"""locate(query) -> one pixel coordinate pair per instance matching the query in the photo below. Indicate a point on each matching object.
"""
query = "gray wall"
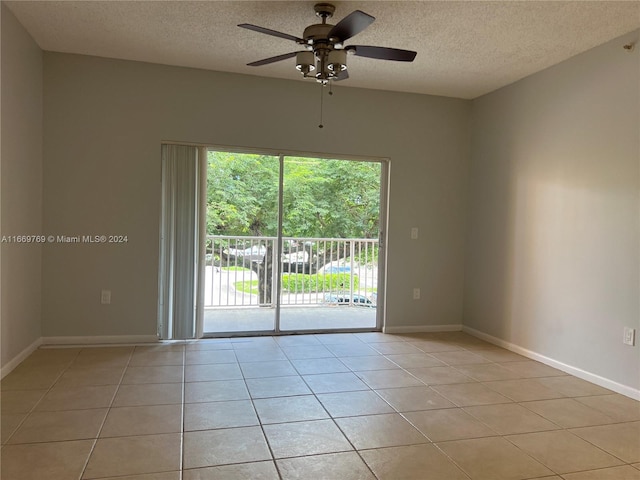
(21, 186)
(554, 210)
(105, 120)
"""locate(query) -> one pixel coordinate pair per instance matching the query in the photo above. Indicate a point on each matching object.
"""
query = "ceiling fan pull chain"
(321, 102)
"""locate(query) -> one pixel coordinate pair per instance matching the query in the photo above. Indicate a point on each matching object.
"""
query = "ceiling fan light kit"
(324, 56)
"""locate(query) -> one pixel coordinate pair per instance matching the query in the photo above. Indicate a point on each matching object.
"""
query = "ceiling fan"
(325, 56)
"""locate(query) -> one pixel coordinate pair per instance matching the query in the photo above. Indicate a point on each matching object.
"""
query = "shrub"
(305, 283)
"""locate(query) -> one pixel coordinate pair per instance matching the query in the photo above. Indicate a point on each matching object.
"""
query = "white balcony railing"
(241, 271)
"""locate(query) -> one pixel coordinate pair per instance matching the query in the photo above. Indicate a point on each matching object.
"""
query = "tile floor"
(441, 406)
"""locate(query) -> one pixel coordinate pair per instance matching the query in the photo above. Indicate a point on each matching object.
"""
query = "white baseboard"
(15, 361)
(423, 329)
(101, 340)
(577, 372)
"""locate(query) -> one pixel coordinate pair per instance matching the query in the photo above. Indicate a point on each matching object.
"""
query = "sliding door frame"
(385, 167)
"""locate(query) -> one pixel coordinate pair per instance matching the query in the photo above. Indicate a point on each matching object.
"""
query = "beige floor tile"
(487, 372)
(376, 431)
(313, 366)
(510, 419)
(78, 376)
(278, 368)
(209, 344)
(460, 357)
(351, 404)
(207, 416)
(563, 452)
(9, 423)
(296, 340)
(277, 387)
(523, 390)
(369, 362)
(334, 382)
(289, 409)
(103, 357)
(621, 440)
(260, 354)
(59, 426)
(208, 357)
(464, 339)
(618, 407)
(343, 466)
(215, 391)
(625, 472)
(19, 401)
(410, 399)
(74, 398)
(378, 337)
(59, 460)
(142, 420)
(210, 373)
(305, 438)
(395, 348)
(414, 462)
(572, 386)
(499, 355)
(299, 352)
(389, 379)
(469, 394)
(243, 343)
(156, 358)
(46, 357)
(337, 338)
(351, 349)
(568, 413)
(148, 394)
(432, 346)
(241, 471)
(532, 369)
(448, 424)
(208, 448)
(135, 455)
(493, 458)
(439, 375)
(163, 374)
(31, 378)
(415, 360)
(148, 476)
(160, 347)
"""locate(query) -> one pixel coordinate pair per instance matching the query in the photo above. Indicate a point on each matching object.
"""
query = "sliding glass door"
(292, 244)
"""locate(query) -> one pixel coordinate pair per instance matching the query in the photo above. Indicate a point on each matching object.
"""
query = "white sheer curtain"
(179, 241)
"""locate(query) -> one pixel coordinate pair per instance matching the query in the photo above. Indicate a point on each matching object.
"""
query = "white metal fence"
(240, 271)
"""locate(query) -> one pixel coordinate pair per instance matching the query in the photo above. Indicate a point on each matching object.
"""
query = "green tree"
(321, 199)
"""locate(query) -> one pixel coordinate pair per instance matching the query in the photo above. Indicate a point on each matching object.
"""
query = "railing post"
(352, 252)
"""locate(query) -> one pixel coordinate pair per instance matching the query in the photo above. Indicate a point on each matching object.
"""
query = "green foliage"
(321, 198)
(303, 283)
(247, 286)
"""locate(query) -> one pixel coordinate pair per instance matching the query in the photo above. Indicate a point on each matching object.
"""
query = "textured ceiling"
(465, 49)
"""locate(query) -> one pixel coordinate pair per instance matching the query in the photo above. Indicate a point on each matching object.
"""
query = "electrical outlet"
(105, 297)
(416, 294)
(414, 233)
(629, 336)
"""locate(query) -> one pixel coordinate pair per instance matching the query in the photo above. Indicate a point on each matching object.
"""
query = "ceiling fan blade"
(383, 53)
(268, 31)
(351, 25)
(269, 60)
(343, 75)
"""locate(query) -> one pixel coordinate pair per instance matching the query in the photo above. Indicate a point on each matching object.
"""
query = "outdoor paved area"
(257, 319)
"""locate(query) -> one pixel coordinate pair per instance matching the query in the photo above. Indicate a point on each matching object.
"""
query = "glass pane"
(330, 226)
(242, 227)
